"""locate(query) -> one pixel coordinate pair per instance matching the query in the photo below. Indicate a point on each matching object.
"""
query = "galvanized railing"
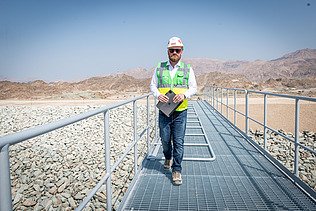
(216, 100)
(8, 140)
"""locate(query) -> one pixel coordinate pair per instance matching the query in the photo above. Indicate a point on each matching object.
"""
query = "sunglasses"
(175, 50)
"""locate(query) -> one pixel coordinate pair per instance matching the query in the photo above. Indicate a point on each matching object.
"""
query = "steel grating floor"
(240, 178)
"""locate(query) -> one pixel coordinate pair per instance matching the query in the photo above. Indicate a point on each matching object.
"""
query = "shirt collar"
(177, 65)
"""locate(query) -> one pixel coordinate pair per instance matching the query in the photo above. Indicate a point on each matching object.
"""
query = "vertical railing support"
(221, 100)
(297, 127)
(265, 122)
(246, 113)
(147, 137)
(235, 112)
(217, 98)
(5, 180)
(213, 96)
(156, 121)
(135, 136)
(107, 160)
(209, 95)
(227, 92)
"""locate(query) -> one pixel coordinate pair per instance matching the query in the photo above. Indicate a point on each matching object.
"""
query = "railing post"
(265, 122)
(5, 180)
(135, 136)
(297, 134)
(209, 95)
(227, 92)
(221, 100)
(246, 113)
(107, 160)
(147, 137)
(217, 98)
(156, 121)
(213, 97)
(235, 107)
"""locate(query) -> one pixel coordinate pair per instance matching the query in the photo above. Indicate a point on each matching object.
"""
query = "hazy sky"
(71, 40)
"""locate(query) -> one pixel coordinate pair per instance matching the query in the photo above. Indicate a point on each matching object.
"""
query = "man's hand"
(163, 98)
(178, 98)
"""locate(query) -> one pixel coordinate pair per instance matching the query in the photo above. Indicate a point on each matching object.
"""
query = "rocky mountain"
(298, 64)
(223, 80)
(139, 73)
(92, 88)
(292, 73)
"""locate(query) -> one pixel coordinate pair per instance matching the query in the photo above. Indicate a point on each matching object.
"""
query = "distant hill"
(299, 64)
(92, 88)
(139, 73)
(292, 73)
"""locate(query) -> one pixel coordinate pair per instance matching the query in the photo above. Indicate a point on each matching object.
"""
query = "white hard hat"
(175, 42)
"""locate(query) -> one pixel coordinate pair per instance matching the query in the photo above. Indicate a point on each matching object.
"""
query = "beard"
(174, 57)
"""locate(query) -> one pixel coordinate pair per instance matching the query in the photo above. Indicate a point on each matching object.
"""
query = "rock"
(25, 179)
(56, 201)
(17, 198)
(53, 190)
(101, 197)
(39, 182)
(49, 185)
(38, 207)
(66, 195)
(60, 182)
(72, 202)
(15, 166)
(62, 187)
(303, 177)
(37, 187)
(79, 196)
(37, 173)
(47, 204)
(29, 202)
(22, 188)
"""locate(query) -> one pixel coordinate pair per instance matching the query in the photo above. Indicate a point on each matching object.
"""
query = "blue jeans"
(172, 132)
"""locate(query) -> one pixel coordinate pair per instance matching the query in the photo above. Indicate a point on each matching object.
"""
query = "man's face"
(175, 54)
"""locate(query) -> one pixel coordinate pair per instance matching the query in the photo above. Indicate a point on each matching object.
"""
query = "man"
(179, 77)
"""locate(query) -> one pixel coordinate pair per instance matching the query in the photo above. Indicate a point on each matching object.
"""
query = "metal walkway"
(240, 178)
(197, 147)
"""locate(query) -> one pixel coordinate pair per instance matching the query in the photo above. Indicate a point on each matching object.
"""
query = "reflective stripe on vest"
(179, 84)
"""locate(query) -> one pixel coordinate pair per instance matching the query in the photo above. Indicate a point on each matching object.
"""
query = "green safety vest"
(179, 84)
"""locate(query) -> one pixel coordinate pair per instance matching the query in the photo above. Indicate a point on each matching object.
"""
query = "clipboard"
(169, 107)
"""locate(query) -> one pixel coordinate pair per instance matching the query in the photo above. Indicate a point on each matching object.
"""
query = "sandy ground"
(280, 111)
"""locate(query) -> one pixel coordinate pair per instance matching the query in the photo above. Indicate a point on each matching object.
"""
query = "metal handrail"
(215, 101)
(8, 140)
